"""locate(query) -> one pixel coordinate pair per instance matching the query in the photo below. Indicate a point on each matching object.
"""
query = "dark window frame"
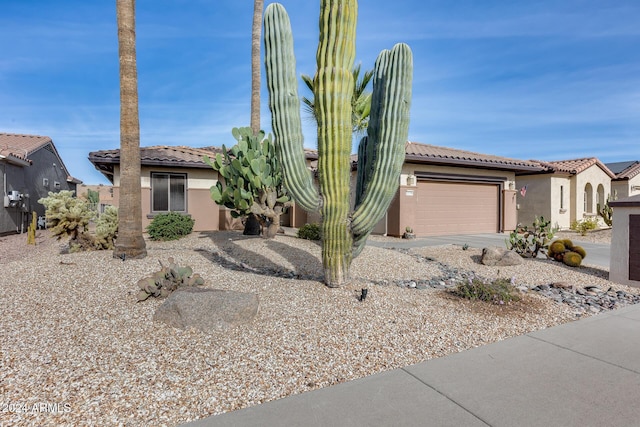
(168, 176)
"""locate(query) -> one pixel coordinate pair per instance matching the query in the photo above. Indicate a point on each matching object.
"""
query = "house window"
(588, 198)
(562, 197)
(168, 192)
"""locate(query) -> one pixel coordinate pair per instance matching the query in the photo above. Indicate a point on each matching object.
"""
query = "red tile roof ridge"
(455, 153)
(575, 166)
(630, 172)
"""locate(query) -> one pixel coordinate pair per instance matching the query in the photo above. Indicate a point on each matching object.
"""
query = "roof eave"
(17, 161)
(471, 163)
(148, 162)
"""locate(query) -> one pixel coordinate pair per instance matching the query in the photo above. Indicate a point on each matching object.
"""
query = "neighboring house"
(105, 195)
(30, 167)
(173, 179)
(627, 180)
(565, 191)
(448, 191)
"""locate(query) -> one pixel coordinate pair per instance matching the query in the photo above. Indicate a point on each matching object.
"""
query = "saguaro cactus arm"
(285, 107)
(389, 128)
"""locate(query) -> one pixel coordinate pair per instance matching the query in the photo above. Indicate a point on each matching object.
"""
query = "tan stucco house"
(442, 190)
(627, 180)
(565, 191)
(448, 191)
(173, 179)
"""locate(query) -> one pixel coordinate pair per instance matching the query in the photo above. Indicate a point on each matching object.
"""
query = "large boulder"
(208, 310)
(495, 256)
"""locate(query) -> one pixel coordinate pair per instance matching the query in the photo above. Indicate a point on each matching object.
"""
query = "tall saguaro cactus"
(381, 153)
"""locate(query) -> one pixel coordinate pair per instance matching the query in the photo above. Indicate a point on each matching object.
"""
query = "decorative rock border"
(590, 299)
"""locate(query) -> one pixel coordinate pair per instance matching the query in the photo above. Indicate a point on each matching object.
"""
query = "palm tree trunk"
(129, 243)
(255, 65)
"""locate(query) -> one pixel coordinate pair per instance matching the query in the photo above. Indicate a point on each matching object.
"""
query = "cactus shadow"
(584, 269)
(476, 259)
(232, 256)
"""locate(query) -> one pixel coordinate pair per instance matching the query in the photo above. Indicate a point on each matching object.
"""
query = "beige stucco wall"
(626, 188)
(560, 213)
(621, 188)
(596, 177)
(543, 196)
(619, 262)
(411, 168)
(536, 201)
(402, 210)
(199, 203)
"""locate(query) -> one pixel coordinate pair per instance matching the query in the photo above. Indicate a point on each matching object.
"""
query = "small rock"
(495, 256)
(561, 285)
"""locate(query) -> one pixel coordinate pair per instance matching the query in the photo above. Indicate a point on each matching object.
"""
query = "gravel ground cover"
(78, 350)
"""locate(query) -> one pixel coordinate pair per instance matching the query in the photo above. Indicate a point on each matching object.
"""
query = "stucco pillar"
(509, 210)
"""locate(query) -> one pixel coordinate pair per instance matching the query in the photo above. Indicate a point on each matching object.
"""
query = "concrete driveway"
(598, 254)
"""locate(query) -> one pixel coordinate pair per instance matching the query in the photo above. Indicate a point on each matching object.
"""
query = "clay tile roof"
(575, 166)
(21, 146)
(160, 155)
(625, 170)
(427, 153)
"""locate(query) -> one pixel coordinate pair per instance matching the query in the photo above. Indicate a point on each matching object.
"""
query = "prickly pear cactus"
(381, 153)
(170, 277)
(253, 179)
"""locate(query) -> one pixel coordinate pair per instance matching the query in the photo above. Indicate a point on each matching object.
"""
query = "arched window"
(588, 198)
(600, 200)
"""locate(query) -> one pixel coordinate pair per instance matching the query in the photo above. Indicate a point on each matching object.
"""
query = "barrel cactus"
(580, 250)
(572, 259)
(568, 253)
(381, 152)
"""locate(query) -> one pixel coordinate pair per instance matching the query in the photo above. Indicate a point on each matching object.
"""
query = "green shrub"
(170, 226)
(584, 226)
(309, 232)
(528, 242)
(498, 291)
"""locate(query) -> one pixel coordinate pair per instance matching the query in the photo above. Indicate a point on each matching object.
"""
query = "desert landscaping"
(74, 334)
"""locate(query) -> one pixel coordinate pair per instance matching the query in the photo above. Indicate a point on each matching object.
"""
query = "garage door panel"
(456, 208)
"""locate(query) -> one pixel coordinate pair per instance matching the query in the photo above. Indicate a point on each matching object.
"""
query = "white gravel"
(79, 349)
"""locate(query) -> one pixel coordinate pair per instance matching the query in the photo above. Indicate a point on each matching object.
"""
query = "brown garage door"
(456, 208)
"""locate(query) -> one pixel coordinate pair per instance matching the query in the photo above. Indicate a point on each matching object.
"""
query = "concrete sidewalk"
(583, 373)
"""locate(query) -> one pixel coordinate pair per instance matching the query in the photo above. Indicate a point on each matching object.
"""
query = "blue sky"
(544, 80)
